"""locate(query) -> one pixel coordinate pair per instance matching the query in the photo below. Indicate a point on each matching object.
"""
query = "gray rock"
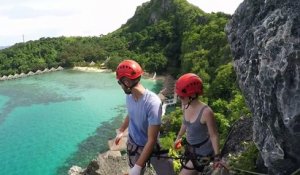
(108, 163)
(75, 170)
(240, 132)
(264, 36)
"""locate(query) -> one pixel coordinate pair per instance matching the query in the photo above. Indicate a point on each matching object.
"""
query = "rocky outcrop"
(240, 132)
(264, 36)
(110, 162)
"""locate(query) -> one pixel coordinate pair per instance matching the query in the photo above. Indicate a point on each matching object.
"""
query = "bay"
(52, 121)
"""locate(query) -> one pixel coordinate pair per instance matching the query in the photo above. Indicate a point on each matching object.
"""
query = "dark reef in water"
(93, 145)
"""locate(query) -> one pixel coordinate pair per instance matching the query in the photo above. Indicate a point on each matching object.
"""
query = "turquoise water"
(52, 121)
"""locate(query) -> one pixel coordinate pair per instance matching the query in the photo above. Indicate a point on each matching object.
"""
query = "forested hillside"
(167, 37)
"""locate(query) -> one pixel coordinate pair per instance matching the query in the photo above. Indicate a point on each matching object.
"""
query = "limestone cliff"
(264, 36)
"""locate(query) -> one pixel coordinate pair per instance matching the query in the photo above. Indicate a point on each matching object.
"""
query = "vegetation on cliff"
(167, 37)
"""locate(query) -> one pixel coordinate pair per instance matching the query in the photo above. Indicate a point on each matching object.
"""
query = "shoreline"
(113, 156)
(96, 69)
(90, 69)
(30, 73)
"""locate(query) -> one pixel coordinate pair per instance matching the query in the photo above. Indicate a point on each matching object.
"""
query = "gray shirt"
(196, 133)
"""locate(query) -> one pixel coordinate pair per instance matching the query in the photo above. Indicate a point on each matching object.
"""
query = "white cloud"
(52, 18)
(226, 6)
(24, 12)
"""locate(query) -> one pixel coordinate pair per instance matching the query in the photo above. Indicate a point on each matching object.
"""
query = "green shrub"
(245, 160)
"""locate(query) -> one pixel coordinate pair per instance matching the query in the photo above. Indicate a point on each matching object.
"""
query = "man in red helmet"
(143, 122)
(198, 123)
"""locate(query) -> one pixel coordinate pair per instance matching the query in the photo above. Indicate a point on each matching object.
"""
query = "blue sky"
(34, 19)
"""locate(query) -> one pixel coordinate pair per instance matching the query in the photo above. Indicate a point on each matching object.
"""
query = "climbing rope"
(205, 159)
(251, 172)
(295, 172)
(246, 171)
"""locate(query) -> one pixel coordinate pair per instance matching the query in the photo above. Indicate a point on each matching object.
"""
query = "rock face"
(240, 132)
(108, 163)
(264, 36)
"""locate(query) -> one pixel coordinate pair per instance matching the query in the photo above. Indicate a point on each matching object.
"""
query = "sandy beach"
(90, 69)
(168, 80)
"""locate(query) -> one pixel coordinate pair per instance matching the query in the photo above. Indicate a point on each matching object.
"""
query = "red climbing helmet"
(188, 85)
(129, 69)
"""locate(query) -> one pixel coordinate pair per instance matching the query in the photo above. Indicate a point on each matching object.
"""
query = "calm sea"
(52, 121)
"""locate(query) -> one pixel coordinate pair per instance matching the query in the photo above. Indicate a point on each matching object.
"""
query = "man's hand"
(136, 170)
(118, 137)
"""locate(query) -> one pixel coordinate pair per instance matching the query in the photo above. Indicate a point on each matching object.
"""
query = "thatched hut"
(22, 75)
(52, 69)
(3, 77)
(60, 68)
(46, 70)
(9, 77)
(16, 76)
(92, 63)
(38, 72)
(30, 73)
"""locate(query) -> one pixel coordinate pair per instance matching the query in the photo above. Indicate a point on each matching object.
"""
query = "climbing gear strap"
(198, 144)
(134, 149)
(190, 101)
(199, 162)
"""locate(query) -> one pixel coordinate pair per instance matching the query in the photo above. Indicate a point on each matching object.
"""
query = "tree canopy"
(172, 37)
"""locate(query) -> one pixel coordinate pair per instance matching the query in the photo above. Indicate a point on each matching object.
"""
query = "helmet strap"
(190, 100)
(128, 89)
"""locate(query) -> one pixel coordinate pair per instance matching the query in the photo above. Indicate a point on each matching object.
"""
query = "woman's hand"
(217, 163)
(178, 143)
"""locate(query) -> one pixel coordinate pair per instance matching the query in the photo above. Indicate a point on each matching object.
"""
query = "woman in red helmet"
(143, 122)
(198, 123)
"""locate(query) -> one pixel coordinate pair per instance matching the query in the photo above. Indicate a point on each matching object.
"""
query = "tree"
(224, 84)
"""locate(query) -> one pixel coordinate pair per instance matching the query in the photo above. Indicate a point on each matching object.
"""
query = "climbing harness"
(198, 161)
(134, 149)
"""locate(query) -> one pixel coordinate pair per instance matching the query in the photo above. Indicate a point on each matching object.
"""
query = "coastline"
(165, 78)
(90, 69)
(30, 73)
(46, 70)
(106, 162)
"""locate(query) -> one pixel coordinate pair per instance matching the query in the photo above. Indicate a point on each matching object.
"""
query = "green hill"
(171, 33)
(167, 37)
(170, 36)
